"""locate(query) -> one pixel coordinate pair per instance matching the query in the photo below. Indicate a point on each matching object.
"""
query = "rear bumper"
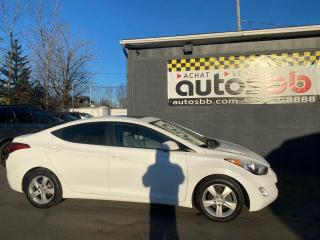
(14, 176)
(252, 183)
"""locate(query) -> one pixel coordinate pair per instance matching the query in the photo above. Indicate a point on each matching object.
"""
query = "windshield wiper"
(204, 146)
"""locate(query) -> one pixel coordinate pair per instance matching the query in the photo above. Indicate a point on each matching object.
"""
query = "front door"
(141, 170)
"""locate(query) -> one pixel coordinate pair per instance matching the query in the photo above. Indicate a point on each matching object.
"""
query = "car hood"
(234, 150)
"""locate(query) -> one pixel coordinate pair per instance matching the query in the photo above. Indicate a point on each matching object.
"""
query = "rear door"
(79, 153)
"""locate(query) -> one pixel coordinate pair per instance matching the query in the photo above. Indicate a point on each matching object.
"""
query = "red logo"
(298, 84)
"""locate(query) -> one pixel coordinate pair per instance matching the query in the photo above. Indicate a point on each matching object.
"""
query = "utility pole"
(238, 16)
(90, 90)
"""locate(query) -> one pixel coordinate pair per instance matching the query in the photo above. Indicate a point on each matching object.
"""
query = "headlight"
(254, 168)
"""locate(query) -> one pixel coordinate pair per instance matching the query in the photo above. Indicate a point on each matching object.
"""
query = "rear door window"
(94, 133)
(3, 115)
(6, 115)
(23, 115)
(42, 117)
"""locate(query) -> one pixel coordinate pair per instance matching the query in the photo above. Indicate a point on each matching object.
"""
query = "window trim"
(182, 147)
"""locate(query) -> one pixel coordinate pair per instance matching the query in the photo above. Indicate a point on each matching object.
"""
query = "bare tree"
(72, 59)
(106, 99)
(43, 41)
(60, 62)
(12, 63)
(121, 96)
(11, 15)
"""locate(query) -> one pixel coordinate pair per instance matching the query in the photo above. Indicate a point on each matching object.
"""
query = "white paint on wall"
(118, 112)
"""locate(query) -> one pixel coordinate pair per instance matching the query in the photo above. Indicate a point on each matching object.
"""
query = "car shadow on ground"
(297, 164)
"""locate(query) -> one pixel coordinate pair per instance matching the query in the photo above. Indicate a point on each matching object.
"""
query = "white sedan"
(139, 160)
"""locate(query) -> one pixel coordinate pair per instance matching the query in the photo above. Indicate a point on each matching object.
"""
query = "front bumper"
(252, 183)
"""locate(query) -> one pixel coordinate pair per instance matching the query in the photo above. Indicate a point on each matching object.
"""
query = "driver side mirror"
(169, 146)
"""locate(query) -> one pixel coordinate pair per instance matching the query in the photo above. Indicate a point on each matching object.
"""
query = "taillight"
(14, 146)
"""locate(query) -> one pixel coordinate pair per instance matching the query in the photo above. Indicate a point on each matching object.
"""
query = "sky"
(105, 22)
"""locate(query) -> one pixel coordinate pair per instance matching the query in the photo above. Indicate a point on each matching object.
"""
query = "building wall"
(262, 128)
(118, 111)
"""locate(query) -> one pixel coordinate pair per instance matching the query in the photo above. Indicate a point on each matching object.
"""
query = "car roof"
(144, 120)
(130, 118)
(22, 106)
(107, 118)
(62, 113)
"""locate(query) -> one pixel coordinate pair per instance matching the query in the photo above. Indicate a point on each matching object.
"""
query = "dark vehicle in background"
(64, 117)
(20, 120)
(81, 115)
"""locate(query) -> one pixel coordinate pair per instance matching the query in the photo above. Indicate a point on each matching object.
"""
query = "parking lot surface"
(295, 215)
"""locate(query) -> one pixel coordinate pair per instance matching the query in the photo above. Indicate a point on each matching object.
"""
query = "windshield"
(184, 133)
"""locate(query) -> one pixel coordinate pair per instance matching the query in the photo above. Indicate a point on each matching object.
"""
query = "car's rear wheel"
(220, 198)
(4, 153)
(42, 188)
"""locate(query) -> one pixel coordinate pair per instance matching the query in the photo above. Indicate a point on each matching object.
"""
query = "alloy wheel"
(41, 189)
(219, 200)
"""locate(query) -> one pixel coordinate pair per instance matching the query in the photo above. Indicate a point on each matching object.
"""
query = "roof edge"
(221, 36)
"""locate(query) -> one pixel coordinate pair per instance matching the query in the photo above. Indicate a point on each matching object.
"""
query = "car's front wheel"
(42, 189)
(220, 198)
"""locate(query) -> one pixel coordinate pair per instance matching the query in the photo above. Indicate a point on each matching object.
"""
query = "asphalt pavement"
(295, 215)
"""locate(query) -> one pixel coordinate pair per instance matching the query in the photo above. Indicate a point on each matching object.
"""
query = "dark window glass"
(11, 117)
(23, 115)
(130, 135)
(3, 115)
(6, 115)
(87, 133)
(42, 117)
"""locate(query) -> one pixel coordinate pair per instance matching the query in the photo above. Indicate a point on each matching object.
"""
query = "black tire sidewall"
(231, 184)
(57, 188)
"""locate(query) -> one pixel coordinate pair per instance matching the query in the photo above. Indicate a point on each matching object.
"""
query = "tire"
(220, 198)
(42, 189)
(4, 154)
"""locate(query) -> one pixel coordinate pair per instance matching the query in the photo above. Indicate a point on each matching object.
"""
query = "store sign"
(253, 79)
